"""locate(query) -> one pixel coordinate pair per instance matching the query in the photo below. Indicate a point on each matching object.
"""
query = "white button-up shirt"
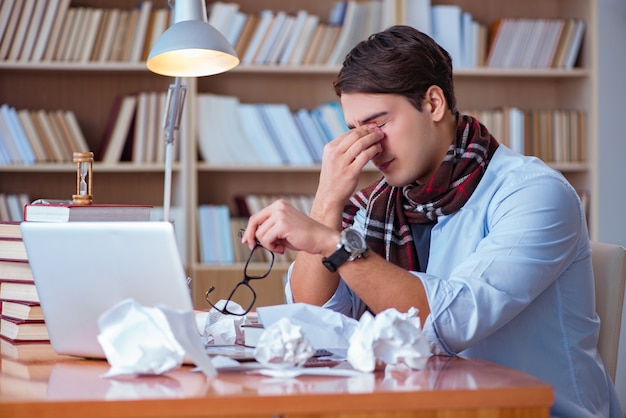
(509, 280)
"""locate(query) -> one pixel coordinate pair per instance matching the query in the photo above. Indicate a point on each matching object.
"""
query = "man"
(490, 246)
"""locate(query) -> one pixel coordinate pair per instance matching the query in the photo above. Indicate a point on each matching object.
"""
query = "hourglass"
(84, 164)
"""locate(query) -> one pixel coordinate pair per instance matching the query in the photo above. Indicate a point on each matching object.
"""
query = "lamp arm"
(175, 100)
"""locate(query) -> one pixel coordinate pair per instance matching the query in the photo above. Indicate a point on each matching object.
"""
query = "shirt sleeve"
(531, 234)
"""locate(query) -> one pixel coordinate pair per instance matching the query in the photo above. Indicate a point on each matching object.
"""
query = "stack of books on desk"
(21, 318)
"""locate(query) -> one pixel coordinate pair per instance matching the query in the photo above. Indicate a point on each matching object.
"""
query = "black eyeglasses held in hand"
(243, 294)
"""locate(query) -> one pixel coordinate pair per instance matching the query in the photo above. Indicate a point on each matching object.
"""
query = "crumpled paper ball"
(283, 344)
(391, 337)
(138, 340)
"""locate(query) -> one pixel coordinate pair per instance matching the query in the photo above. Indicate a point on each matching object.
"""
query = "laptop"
(82, 269)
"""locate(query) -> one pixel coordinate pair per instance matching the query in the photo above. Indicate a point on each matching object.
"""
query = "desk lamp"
(191, 47)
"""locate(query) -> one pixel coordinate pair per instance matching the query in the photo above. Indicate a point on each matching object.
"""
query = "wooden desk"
(448, 387)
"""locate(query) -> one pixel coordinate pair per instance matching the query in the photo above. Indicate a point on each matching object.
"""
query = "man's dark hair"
(399, 60)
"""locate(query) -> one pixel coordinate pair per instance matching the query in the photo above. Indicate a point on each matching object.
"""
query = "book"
(21, 310)
(93, 22)
(10, 27)
(10, 229)
(49, 47)
(140, 32)
(16, 270)
(21, 30)
(122, 122)
(12, 249)
(110, 23)
(67, 212)
(16, 330)
(37, 351)
(18, 291)
(34, 26)
(33, 136)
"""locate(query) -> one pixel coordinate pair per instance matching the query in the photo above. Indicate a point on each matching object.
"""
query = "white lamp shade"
(191, 48)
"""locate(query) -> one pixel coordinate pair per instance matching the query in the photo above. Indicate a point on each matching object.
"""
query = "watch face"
(354, 240)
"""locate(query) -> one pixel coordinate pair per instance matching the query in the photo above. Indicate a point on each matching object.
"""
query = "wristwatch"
(351, 245)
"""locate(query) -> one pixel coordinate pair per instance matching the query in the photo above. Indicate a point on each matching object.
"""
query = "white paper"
(323, 327)
(283, 344)
(150, 340)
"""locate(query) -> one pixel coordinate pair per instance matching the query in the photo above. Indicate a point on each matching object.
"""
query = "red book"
(16, 270)
(67, 212)
(12, 249)
(10, 229)
(21, 310)
(16, 330)
(18, 291)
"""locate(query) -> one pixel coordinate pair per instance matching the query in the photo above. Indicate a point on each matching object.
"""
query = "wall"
(612, 143)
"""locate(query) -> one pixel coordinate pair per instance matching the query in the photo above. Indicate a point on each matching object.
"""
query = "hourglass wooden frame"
(84, 172)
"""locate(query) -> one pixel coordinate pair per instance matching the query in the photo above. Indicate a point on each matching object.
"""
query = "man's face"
(411, 149)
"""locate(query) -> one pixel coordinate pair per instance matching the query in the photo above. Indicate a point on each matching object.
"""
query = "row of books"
(51, 30)
(21, 318)
(218, 230)
(535, 43)
(303, 38)
(555, 136)
(230, 132)
(134, 130)
(36, 136)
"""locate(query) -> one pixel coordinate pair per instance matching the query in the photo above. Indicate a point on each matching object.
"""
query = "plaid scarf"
(390, 210)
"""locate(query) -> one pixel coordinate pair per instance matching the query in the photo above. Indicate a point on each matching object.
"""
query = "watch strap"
(333, 261)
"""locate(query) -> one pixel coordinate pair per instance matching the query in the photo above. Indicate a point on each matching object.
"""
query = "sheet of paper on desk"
(325, 329)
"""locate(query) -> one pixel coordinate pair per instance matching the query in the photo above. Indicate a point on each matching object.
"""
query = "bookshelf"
(89, 89)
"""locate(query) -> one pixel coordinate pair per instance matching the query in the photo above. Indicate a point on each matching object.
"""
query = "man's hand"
(280, 226)
(342, 163)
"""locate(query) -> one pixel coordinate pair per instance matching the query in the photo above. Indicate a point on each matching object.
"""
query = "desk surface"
(61, 387)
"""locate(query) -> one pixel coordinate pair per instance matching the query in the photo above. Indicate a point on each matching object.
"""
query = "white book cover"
(10, 27)
(32, 134)
(235, 138)
(210, 132)
(26, 150)
(269, 42)
(55, 32)
(304, 40)
(280, 118)
(94, 20)
(311, 132)
(353, 30)
(141, 30)
(281, 41)
(258, 135)
(574, 47)
(10, 139)
(446, 27)
(265, 19)
(34, 27)
(6, 7)
(205, 234)
(50, 136)
(233, 31)
(21, 30)
(296, 33)
(121, 129)
(532, 43)
(111, 27)
(46, 28)
(226, 242)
